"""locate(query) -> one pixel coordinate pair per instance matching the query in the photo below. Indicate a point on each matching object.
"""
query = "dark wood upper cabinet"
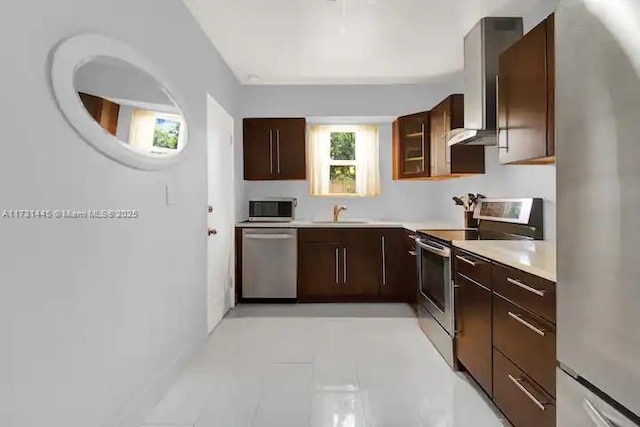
(411, 146)
(459, 160)
(102, 110)
(274, 149)
(474, 323)
(526, 104)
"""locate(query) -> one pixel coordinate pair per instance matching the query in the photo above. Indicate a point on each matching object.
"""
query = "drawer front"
(531, 292)
(473, 267)
(410, 241)
(473, 330)
(320, 235)
(523, 402)
(527, 340)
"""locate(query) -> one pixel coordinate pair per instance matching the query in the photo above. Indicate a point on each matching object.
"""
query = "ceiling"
(344, 41)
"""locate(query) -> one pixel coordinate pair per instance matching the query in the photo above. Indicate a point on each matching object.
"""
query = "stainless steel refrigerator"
(598, 164)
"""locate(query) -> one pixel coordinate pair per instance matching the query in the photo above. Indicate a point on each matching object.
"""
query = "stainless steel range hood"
(482, 49)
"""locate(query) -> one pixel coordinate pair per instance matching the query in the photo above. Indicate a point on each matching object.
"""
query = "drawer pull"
(518, 383)
(526, 287)
(518, 318)
(466, 260)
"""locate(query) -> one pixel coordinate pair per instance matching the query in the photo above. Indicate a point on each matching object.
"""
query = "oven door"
(434, 281)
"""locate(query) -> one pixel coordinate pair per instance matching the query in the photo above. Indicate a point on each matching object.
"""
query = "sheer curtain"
(367, 159)
(143, 124)
(318, 159)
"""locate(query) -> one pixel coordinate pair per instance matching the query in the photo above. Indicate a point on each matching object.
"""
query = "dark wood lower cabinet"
(398, 281)
(523, 402)
(410, 266)
(473, 322)
(508, 349)
(320, 270)
(359, 264)
(528, 340)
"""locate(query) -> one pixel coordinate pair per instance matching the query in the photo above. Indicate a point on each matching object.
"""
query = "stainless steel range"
(499, 219)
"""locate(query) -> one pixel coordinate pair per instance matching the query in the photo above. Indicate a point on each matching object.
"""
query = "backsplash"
(422, 200)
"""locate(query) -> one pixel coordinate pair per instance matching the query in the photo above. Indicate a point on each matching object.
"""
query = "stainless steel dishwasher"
(269, 263)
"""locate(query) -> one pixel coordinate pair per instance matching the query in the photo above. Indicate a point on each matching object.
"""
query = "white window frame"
(174, 118)
(367, 161)
(331, 162)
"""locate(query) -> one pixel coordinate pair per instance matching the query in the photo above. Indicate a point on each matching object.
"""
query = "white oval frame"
(76, 51)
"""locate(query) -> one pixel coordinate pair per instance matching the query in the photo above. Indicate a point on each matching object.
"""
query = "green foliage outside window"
(166, 134)
(343, 146)
(343, 177)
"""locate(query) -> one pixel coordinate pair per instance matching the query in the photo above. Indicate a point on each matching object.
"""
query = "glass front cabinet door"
(411, 136)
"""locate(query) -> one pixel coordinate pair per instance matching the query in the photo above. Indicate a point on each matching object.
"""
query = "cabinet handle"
(384, 261)
(423, 147)
(344, 264)
(278, 147)
(271, 150)
(499, 127)
(518, 318)
(596, 416)
(337, 267)
(526, 287)
(467, 260)
(447, 149)
(518, 382)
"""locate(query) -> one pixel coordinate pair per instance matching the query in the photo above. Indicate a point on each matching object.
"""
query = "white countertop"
(411, 226)
(535, 257)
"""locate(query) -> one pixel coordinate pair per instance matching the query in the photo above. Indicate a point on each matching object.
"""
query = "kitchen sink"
(339, 222)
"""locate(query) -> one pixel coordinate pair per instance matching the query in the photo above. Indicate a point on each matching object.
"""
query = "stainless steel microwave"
(272, 209)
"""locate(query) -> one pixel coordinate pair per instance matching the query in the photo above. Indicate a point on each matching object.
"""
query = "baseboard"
(134, 412)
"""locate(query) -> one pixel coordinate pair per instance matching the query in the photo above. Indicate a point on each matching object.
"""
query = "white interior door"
(220, 185)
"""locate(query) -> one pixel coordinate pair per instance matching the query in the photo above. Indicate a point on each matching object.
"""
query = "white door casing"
(220, 196)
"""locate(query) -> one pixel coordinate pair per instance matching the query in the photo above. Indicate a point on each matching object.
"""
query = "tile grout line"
(313, 388)
(365, 404)
(205, 405)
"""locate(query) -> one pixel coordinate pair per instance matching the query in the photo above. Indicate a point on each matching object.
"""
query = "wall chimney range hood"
(482, 49)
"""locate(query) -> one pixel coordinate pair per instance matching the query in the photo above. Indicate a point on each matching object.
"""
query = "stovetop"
(447, 236)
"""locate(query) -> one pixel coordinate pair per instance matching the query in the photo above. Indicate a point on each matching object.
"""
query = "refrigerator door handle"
(596, 416)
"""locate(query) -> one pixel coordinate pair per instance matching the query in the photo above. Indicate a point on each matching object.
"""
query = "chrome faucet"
(336, 212)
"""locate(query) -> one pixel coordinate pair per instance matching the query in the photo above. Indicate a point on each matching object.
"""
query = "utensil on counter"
(472, 200)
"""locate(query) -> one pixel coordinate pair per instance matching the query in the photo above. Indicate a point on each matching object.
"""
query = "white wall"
(95, 313)
(422, 200)
(415, 201)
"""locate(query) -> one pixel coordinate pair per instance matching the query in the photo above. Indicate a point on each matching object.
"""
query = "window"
(156, 132)
(342, 164)
(343, 161)
(166, 133)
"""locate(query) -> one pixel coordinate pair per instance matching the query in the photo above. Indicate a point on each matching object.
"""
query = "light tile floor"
(331, 365)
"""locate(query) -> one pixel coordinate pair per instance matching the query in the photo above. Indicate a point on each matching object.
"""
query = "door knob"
(212, 231)
(210, 209)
